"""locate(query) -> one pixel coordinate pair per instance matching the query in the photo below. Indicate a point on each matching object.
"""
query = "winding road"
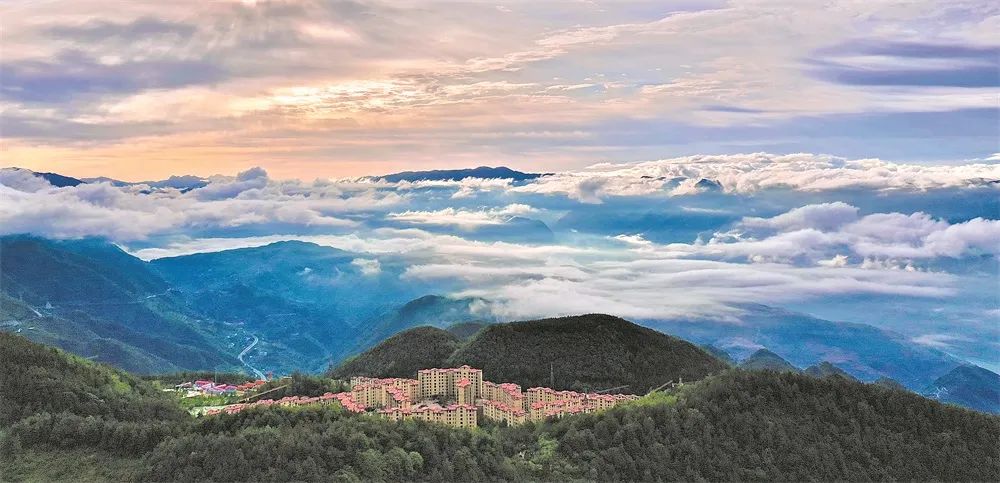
(260, 375)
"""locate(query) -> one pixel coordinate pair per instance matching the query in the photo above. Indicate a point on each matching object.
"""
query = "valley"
(294, 306)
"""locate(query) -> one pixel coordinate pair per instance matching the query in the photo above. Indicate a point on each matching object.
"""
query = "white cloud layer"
(749, 173)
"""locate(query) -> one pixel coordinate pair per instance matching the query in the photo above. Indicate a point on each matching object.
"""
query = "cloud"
(221, 187)
(817, 232)
(137, 212)
(367, 267)
(939, 341)
(463, 218)
(877, 63)
(823, 217)
(749, 173)
(23, 180)
(344, 87)
(73, 74)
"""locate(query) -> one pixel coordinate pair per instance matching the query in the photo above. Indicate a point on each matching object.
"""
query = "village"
(454, 396)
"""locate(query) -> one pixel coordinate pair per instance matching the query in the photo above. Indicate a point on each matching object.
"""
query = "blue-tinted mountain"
(59, 180)
(719, 354)
(309, 304)
(765, 360)
(863, 351)
(92, 298)
(516, 229)
(969, 386)
(485, 172)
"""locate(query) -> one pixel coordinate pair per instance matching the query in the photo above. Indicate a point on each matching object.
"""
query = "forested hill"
(69, 419)
(586, 352)
(37, 379)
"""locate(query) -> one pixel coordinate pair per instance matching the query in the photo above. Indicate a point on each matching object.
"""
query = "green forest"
(65, 418)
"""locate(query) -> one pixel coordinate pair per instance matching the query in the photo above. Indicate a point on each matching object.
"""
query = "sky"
(307, 89)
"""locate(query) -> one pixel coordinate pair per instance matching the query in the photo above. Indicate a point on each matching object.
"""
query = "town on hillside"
(453, 396)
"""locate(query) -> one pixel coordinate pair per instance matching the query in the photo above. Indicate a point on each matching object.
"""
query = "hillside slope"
(40, 379)
(92, 298)
(771, 426)
(401, 355)
(584, 352)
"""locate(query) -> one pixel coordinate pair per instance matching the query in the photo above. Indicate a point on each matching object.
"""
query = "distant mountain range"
(200, 311)
(966, 385)
(863, 351)
(94, 299)
(190, 182)
(301, 306)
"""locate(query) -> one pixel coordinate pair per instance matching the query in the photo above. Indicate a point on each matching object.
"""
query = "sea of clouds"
(686, 237)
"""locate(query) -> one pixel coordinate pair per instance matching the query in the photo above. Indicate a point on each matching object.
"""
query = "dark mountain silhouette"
(484, 172)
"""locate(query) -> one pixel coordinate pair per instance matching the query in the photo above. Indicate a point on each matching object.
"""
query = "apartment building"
(458, 415)
(499, 411)
(441, 383)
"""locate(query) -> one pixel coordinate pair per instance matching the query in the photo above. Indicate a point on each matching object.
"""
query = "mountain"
(826, 369)
(587, 352)
(295, 305)
(864, 351)
(432, 310)
(183, 183)
(402, 355)
(969, 386)
(59, 180)
(484, 172)
(584, 352)
(92, 298)
(719, 354)
(54, 179)
(308, 304)
(765, 360)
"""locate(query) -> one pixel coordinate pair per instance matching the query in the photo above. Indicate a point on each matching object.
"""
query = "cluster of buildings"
(204, 387)
(469, 396)
(455, 396)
